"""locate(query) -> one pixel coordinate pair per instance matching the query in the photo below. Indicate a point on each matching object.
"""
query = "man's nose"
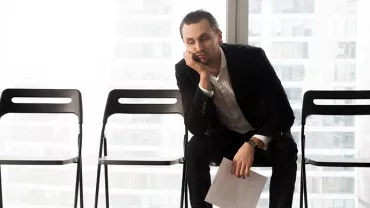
(198, 46)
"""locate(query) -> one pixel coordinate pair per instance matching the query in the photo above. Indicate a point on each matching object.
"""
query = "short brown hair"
(196, 16)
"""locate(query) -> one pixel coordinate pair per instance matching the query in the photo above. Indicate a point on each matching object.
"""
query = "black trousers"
(281, 154)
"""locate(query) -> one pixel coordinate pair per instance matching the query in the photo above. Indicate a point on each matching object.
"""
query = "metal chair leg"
(77, 183)
(186, 192)
(1, 191)
(81, 187)
(301, 191)
(182, 194)
(183, 185)
(97, 186)
(304, 185)
(106, 186)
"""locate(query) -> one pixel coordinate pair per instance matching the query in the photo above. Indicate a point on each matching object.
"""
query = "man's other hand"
(243, 161)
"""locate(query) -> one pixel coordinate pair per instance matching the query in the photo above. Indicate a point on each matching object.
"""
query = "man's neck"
(216, 65)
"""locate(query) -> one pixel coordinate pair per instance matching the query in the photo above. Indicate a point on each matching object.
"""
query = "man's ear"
(219, 35)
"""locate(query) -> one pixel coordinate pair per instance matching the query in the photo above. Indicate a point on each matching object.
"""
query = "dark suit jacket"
(257, 89)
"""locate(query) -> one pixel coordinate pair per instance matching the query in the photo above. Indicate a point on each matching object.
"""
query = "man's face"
(201, 40)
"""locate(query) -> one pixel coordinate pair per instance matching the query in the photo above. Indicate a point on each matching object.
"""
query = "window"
(345, 72)
(345, 50)
(97, 46)
(292, 27)
(349, 203)
(294, 95)
(255, 6)
(291, 6)
(315, 185)
(338, 185)
(331, 121)
(289, 50)
(330, 140)
(288, 73)
(94, 46)
(317, 45)
(298, 117)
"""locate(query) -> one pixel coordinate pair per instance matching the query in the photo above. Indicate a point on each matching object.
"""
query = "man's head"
(201, 35)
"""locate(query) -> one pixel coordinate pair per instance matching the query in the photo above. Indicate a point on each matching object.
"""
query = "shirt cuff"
(209, 93)
(265, 139)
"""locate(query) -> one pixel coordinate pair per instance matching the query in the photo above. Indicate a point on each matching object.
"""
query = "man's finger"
(242, 169)
(189, 54)
(189, 57)
(237, 170)
(247, 170)
(233, 167)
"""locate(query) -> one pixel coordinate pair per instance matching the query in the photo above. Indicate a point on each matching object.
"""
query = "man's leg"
(201, 150)
(283, 155)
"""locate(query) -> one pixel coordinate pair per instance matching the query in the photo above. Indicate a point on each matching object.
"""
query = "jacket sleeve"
(197, 106)
(280, 114)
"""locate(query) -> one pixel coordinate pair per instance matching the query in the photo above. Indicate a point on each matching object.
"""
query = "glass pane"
(293, 6)
(318, 45)
(93, 46)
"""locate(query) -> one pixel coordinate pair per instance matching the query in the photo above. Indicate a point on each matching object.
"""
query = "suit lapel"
(241, 82)
(236, 78)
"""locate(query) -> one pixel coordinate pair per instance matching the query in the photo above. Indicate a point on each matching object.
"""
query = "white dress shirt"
(227, 108)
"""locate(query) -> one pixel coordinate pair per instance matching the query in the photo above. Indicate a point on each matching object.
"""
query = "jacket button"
(204, 108)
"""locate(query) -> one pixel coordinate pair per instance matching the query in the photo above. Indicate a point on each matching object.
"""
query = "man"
(235, 106)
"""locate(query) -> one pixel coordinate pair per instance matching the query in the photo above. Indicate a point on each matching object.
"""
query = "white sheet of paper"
(229, 191)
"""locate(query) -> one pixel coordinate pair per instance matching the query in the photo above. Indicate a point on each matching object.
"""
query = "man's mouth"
(201, 56)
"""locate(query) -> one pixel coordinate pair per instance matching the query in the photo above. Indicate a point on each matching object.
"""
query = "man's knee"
(196, 149)
(287, 148)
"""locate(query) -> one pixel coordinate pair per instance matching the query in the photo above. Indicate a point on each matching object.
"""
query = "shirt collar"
(223, 59)
(222, 67)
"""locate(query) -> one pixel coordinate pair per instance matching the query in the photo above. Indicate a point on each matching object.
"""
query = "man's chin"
(204, 61)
